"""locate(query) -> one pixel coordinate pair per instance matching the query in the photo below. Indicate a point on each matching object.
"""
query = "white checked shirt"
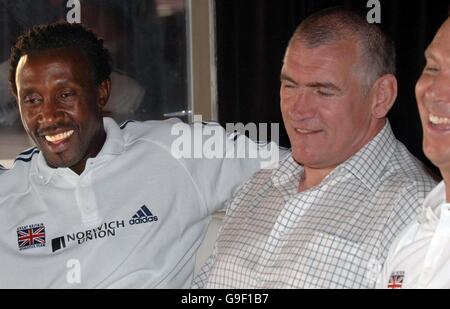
(336, 235)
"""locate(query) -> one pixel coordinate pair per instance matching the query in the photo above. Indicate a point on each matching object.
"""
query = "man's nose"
(302, 106)
(439, 89)
(49, 112)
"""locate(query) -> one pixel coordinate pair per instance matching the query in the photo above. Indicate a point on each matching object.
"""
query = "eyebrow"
(326, 85)
(284, 77)
(26, 91)
(429, 54)
(63, 82)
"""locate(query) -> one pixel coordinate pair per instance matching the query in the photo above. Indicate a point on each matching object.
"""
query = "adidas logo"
(143, 215)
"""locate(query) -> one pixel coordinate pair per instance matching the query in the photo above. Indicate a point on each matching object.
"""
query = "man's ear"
(104, 90)
(383, 95)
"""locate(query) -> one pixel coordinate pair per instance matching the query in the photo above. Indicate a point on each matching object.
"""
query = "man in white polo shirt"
(420, 256)
(96, 205)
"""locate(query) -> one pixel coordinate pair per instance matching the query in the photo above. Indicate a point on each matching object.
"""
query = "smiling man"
(326, 217)
(109, 206)
(61, 105)
(420, 257)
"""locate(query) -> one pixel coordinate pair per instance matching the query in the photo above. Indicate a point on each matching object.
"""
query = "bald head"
(442, 37)
(376, 50)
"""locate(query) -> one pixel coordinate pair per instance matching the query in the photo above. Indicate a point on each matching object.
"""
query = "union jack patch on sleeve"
(396, 280)
(31, 236)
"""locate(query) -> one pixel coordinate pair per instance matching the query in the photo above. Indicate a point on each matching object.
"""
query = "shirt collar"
(286, 177)
(432, 204)
(114, 145)
(369, 163)
(366, 165)
(288, 170)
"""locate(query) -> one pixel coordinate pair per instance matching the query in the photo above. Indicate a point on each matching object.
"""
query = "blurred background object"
(166, 8)
(9, 114)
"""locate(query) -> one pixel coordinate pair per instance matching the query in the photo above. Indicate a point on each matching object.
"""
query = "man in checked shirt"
(326, 217)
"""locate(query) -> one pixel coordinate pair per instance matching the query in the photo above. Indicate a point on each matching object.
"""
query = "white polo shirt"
(133, 219)
(420, 256)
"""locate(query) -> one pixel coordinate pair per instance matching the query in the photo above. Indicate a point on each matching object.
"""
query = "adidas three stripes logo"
(143, 215)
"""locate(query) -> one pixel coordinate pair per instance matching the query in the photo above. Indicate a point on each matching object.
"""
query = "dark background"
(252, 36)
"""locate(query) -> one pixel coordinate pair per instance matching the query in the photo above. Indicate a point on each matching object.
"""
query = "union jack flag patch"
(31, 236)
(396, 280)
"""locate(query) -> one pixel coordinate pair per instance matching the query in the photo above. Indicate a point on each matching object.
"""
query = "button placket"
(86, 200)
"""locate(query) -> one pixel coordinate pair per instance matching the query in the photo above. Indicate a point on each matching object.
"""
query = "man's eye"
(324, 93)
(32, 100)
(67, 94)
(429, 69)
(288, 86)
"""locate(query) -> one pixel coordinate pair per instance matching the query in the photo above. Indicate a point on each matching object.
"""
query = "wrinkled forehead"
(339, 54)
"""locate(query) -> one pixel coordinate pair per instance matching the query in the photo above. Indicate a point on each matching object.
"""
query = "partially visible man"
(95, 204)
(420, 256)
(326, 217)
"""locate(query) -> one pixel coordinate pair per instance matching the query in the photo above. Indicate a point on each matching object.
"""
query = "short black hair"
(62, 35)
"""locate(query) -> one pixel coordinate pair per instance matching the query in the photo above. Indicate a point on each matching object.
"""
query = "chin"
(302, 160)
(58, 164)
(61, 162)
(434, 154)
(442, 163)
(302, 156)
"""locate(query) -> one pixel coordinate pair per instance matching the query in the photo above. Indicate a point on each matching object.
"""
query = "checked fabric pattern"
(336, 235)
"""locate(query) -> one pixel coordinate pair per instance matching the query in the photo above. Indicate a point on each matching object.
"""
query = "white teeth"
(439, 120)
(59, 137)
(303, 131)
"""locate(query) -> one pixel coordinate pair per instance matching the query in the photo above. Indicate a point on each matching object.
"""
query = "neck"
(96, 145)
(446, 176)
(312, 178)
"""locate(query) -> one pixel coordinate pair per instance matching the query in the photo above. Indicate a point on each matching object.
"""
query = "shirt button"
(259, 282)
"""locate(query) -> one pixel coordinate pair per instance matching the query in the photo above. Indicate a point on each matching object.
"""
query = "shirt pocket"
(329, 261)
